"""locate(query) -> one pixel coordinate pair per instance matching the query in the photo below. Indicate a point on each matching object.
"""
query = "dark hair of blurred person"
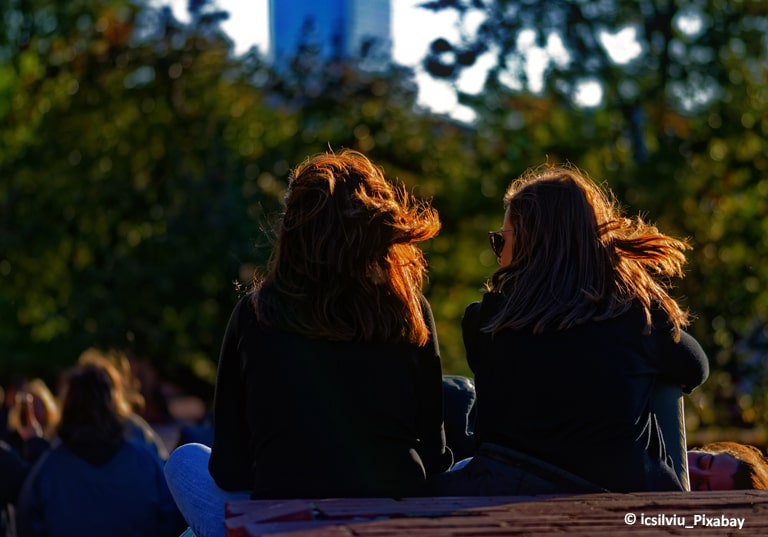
(127, 397)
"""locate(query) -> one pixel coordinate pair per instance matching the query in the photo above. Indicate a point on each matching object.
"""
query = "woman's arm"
(230, 460)
(470, 332)
(434, 452)
(685, 363)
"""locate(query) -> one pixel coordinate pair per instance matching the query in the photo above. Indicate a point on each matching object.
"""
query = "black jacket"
(580, 399)
(300, 417)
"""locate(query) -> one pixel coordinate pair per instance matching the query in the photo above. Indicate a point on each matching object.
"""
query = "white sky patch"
(248, 24)
(472, 21)
(622, 46)
(689, 22)
(526, 39)
(557, 51)
(473, 78)
(589, 93)
(536, 60)
(415, 28)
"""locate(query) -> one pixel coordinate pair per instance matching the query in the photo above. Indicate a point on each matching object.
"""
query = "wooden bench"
(610, 514)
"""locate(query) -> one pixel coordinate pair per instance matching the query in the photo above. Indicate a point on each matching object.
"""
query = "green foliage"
(141, 164)
(124, 193)
(680, 135)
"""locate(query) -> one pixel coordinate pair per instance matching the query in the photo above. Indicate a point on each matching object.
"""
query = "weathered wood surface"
(637, 514)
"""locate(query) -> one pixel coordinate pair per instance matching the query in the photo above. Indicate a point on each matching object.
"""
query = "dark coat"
(581, 399)
(301, 417)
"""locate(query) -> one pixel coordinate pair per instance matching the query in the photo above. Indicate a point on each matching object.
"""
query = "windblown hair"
(575, 258)
(345, 266)
(89, 408)
(753, 464)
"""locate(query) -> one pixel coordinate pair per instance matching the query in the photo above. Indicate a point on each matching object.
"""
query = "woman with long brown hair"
(575, 331)
(329, 381)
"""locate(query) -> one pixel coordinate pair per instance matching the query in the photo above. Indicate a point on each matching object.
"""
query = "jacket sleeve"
(683, 363)
(470, 331)
(229, 464)
(434, 452)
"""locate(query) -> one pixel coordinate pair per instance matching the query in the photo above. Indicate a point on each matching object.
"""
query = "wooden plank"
(672, 513)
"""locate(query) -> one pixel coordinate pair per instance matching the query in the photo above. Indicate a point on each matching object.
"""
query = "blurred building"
(340, 29)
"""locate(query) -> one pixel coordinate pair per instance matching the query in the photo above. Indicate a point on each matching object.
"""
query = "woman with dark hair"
(727, 466)
(329, 381)
(95, 482)
(574, 332)
(127, 396)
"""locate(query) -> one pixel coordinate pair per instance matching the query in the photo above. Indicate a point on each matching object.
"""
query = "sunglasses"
(497, 240)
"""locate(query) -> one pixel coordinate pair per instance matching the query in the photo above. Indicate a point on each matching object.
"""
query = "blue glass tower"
(336, 28)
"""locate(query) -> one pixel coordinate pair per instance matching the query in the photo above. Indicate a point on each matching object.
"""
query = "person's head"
(346, 265)
(568, 255)
(122, 387)
(727, 466)
(89, 413)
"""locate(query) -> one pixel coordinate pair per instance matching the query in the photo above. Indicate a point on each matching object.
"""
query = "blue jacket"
(126, 495)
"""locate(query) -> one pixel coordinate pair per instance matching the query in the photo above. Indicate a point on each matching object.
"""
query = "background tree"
(142, 163)
(125, 188)
(678, 132)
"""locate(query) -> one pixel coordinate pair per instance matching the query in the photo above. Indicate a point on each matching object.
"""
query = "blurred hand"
(28, 427)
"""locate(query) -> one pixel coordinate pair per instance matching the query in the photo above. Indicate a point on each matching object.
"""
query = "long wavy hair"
(345, 265)
(576, 258)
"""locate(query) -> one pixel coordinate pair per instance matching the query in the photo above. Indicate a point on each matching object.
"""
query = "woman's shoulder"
(244, 310)
(137, 457)
(636, 317)
(56, 463)
(482, 311)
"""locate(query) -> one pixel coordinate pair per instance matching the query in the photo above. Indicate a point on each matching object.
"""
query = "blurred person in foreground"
(95, 482)
(329, 381)
(727, 466)
(573, 334)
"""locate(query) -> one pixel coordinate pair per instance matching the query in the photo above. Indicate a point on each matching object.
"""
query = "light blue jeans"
(196, 494)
